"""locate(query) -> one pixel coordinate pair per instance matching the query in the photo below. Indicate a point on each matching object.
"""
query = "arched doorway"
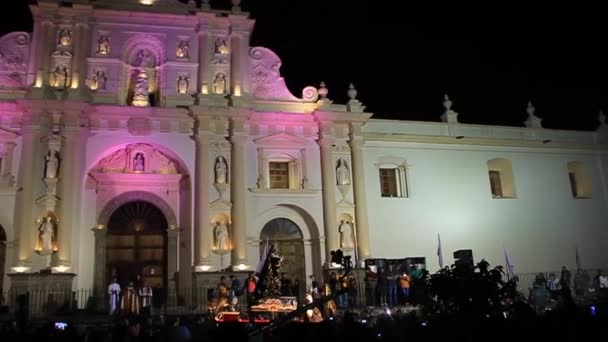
(2, 257)
(137, 245)
(289, 240)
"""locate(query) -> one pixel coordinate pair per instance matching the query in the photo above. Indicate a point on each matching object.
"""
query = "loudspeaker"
(463, 257)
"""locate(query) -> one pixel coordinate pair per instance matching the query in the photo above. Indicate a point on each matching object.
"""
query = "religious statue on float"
(269, 284)
(51, 164)
(346, 235)
(221, 170)
(142, 90)
(342, 174)
(222, 237)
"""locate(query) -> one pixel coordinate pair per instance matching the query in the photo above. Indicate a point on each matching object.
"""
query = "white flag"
(439, 252)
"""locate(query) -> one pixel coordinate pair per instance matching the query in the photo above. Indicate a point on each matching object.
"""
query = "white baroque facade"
(158, 142)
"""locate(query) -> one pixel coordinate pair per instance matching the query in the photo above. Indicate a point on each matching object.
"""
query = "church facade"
(149, 139)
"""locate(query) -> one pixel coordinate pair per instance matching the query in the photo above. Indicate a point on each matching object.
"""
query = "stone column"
(24, 225)
(172, 236)
(329, 197)
(69, 186)
(202, 220)
(99, 281)
(34, 75)
(7, 159)
(235, 54)
(81, 45)
(361, 226)
(203, 60)
(49, 46)
(238, 189)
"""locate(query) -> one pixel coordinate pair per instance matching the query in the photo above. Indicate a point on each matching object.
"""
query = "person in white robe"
(114, 292)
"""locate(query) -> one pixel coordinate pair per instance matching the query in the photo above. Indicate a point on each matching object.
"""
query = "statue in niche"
(46, 235)
(222, 237)
(60, 77)
(65, 37)
(220, 46)
(139, 162)
(99, 80)
(342, 174)
(183, 49)
(141, 92)
(144, 59)
(346, 235)
(103, 44)
(221, 170)
(219, 84)
(182, 84)
(51, 164)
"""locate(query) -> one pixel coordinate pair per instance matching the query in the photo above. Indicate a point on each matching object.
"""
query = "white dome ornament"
(533, 121)
(448, 116)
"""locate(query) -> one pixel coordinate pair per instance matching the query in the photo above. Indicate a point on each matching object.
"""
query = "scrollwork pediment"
(136, 158)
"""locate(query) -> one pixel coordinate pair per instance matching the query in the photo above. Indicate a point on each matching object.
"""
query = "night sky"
(403, 58)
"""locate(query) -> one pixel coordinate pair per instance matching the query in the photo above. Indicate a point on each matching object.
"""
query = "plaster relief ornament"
(222, 237)
(14, 53)
(141, 91)
(103, 44)
(219, 84)
(342, 174)
(220, 46)
(182, 84)
(59, 77)
(51, 164)
(183, 49)
(346, 235)
(221, 170)
(65, 37)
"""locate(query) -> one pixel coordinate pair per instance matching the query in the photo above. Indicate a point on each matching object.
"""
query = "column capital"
(172, 232)
(326, 141)
(239, 139)
(356, 142)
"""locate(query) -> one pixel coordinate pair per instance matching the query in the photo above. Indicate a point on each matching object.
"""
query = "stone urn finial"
(236, 5)
(352, 92)
(530, 109)
(323, 91)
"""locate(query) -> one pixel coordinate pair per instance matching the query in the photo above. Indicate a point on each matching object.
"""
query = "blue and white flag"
(508, 265)
(439, 252)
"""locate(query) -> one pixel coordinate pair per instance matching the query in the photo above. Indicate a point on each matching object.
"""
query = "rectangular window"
(573, 185)
(495, 183)
(278, 175)
(389, 183)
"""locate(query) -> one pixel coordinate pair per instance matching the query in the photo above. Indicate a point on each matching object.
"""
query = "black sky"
(402, 58)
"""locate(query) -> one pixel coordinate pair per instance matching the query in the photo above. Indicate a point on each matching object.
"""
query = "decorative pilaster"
(99, 268)
(172, 243)
(24, 226)
(6, 166)
(202, 221)
(329, 197)
(72, 163)
(362, 227)
(261, 181)
(304, 168)
(238, 188)
(203, 61)
(235, 54)
(49, 45)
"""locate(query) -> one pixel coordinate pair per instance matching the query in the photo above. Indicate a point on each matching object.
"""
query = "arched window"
(502, 183)
(580, 181)
(393, 177)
